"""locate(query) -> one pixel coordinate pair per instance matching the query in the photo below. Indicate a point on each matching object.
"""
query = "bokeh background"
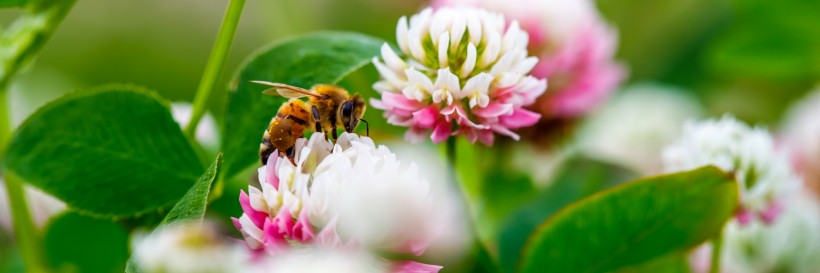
(753, 58)
(749, 57)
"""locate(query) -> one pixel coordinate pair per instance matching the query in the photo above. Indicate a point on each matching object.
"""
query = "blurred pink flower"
(575, 46)
(465, 71)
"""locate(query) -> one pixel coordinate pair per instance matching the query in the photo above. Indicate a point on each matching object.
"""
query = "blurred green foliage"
(80, 243)
(633, 223)
(122, 149)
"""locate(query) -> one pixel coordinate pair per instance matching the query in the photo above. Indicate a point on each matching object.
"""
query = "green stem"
(717, 249)
(452, 174)
(18, 46)
(215, 63)
(25, 232)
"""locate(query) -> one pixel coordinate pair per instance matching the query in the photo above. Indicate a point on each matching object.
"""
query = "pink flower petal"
(274, 241)
(426, 117)
(486, 136)
(772, 211)
(414, 267)
(258, 218)
(328, 236)
(441, 132)
(494, 109)
(519, 118)
(270, 170)
(399, 101)
(507, 132)
(743, 216)
(302, 231)
(283, 221)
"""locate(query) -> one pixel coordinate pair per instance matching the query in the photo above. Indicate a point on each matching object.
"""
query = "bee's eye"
(347, 108)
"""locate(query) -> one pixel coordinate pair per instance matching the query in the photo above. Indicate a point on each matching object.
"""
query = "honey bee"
(327, 108)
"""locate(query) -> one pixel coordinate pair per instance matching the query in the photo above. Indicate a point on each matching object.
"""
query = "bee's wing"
(285, 90)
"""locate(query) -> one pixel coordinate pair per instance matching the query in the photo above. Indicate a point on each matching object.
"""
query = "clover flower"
(350, 195)
(575, 47)
(763, 173)
(189, 247)
(792, 244)
(801, 134)
(465, 71)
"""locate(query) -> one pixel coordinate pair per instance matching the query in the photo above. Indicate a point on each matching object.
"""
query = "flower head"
(465, 72)
(801, 134)
(763, 173)
(575, 46)
(792, 244)
(188, 247)
(351, 195)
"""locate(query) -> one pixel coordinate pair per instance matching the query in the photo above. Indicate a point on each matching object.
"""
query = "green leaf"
(633, 223)
(114, 151)
(80, 243)
(578, 178)
(191, 208)
(324, 57)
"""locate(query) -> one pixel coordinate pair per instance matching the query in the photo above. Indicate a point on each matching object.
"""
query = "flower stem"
(451, 160)
(717, 247)
(215, 62)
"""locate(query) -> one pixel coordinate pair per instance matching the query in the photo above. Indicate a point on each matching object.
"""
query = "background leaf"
(114, 151)
(324, 57)
(578, 178)
(80, 243)
(634, 223)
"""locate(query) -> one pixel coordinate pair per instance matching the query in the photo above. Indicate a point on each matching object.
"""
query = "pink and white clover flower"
(575, 47)
(465, 71)
(351, 195)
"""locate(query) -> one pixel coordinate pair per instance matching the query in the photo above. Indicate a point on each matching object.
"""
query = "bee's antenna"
(367, 126)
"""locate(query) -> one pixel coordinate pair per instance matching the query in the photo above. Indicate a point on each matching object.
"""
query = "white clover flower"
(350, 194)
(763, 173)
(801, 134)
(792, 244)
(462, 66)
(190, 248)
(633, 128)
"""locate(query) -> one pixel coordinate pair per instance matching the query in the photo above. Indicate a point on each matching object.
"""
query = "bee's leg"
(316, 118)
(290, 153)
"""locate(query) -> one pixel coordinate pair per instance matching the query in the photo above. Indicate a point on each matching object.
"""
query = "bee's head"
(351, 112)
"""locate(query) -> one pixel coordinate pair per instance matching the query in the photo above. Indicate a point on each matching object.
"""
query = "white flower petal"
(469, 62)
(391, 59)
(492, 50)
(443, 45)
(402, 34)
